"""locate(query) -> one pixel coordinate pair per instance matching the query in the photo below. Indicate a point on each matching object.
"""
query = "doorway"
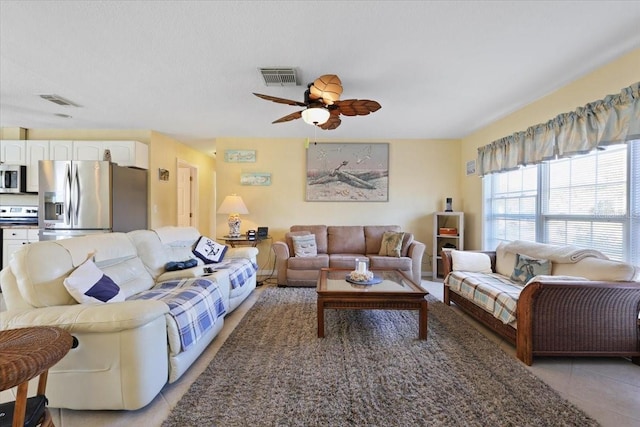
(187, 197)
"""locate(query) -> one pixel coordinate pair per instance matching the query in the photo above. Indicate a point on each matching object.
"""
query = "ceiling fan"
(322, 104)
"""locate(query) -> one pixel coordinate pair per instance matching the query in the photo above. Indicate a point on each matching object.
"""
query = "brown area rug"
(370, 370)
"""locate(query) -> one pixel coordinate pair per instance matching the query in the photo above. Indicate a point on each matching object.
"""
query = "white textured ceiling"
(188, 68)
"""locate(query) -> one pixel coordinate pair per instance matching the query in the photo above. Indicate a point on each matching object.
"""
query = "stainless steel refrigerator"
(84, 197)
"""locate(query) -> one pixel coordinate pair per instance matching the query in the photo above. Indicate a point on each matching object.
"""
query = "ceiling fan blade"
(333, 122)
(289, 117)
(327, 87)
(280, 100)
(357, 107)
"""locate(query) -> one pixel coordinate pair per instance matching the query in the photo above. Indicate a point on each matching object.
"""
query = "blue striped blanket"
(195, 304)
(240, 269)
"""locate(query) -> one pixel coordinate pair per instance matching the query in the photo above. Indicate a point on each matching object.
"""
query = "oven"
(18, 226)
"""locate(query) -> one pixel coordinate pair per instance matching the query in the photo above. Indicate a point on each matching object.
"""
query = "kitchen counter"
(18, 225)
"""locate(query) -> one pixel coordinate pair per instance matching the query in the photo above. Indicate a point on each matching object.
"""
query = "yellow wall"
(607, 80)
(422, 173)
(165, 153)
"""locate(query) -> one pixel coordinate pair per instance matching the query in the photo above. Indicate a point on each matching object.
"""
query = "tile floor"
(608, 389)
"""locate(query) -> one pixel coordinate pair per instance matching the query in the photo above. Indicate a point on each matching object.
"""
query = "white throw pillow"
(87, 284)
(473, 262)
(305, 246)
(209, 251)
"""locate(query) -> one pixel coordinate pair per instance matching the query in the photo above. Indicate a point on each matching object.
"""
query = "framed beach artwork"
(240, 156)
(347, 172)
(258, 178)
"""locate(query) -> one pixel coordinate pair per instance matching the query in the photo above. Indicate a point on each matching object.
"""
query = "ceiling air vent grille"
(56, 99)
(279, 76)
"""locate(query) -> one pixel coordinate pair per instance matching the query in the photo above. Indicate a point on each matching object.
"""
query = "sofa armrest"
(416, 252)
(247, 252)
(556, 316)
(92, 318)
(281, 250)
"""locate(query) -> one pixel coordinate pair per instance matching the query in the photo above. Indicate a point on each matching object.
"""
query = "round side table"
(26, 353)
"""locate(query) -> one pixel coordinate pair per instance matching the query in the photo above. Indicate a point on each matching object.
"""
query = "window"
(591, 200)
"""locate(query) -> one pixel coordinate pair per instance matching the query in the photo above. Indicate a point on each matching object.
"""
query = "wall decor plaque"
(347, 172)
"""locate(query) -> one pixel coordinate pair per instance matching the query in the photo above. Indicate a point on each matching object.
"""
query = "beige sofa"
(126, 351)
(338, 246)
(586, 305)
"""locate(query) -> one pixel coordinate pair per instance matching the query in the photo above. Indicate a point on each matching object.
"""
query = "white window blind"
(510, 214)
(585, 201)
(591, 200)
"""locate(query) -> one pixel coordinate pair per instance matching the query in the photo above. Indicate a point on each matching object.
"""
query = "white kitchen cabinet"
(129, 153)
(36, 151)
(88, 150)
(13, 152)
(448, 233)
(15, 238)
(60, 150)
(124, 153)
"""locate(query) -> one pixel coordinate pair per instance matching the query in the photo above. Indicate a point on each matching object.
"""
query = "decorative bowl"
(361, 277)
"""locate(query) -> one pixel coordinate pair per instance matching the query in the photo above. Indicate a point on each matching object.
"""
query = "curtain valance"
(612, 120)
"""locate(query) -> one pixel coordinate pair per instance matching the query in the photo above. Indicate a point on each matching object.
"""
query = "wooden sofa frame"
(565, 318)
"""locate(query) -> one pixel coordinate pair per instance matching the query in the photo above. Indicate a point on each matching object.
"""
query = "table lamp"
(234, 206)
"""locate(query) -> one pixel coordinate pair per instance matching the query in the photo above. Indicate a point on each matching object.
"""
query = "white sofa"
(126, 351)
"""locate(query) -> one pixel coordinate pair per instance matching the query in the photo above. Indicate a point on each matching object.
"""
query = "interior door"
(184, 196)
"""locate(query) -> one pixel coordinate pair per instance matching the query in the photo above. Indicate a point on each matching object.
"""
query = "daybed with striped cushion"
(587, 305)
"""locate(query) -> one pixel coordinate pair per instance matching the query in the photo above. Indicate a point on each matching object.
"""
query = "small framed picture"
(260, 178)
(240, 156)
(471, 167)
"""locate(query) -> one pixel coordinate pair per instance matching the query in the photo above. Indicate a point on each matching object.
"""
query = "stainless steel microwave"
(13, 179)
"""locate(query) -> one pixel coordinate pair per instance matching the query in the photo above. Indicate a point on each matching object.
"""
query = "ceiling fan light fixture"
(315, 115)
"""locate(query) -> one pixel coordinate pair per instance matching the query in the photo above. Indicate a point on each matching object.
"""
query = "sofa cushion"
(389, 263)
(87, 284)
(505, 261)
(475, 262)
(320, 232)
(391, 244)
(208, 251)
(406, 242)
(373, 236)
(527, 267)
(308, 263)
(493, 292)
(347, 261)
(345, 239)
(598, 269)
(305, 246)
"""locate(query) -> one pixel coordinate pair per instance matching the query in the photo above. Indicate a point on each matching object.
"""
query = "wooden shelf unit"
(445, 220)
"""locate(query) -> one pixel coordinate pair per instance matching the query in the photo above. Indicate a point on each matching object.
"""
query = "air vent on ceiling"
(56, 99)
(279, 76)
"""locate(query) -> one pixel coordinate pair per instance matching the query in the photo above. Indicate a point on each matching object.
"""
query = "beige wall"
(164, 153)
(422, 173)
(607, 80)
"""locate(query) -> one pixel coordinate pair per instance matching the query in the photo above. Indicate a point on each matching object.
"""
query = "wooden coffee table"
(396, 292)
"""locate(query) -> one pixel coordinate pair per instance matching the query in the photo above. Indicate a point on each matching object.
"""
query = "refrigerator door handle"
(76, 182)
(67, 194)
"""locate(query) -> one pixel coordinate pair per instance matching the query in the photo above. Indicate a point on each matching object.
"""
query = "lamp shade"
(233, 204)
(315, 115)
